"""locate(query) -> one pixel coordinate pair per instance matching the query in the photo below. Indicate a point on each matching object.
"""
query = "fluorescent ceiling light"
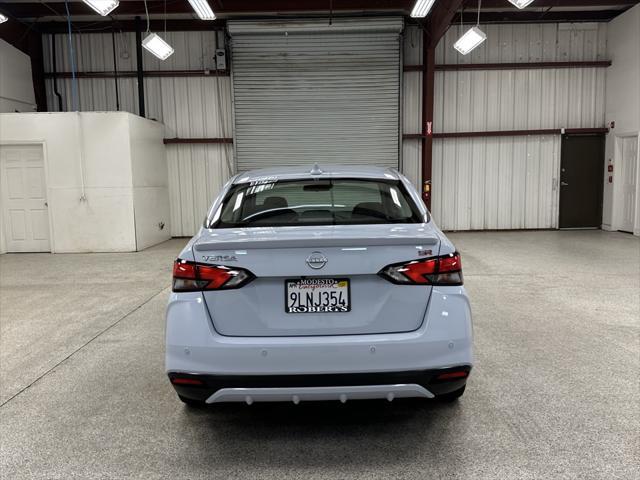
(521, 3)
(203, 9)
(3, 18)
(103, 7)
(156, 45)
(421, 8)
(470, 40)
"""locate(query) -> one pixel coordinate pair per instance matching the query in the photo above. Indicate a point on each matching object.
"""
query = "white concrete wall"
(96, 143)
(94, 150)
(622, 101)
(16, 84)
(189, 107)
(150, 182)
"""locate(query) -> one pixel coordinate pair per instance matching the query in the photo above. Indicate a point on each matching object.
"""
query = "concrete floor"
(555, 393)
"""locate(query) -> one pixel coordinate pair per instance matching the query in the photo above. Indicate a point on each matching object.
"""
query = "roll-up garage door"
(306, 92)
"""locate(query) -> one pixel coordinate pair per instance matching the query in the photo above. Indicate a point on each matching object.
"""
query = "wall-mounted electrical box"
(221, 59)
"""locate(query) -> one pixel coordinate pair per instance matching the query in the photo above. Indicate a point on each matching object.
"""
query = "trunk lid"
(352, 252)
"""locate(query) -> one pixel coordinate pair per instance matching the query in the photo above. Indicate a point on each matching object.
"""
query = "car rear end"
(319, 287)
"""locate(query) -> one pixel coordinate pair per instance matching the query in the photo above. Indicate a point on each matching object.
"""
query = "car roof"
(309, 171)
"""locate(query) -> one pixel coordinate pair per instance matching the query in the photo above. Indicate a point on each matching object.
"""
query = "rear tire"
(191, 403)
(451, 396)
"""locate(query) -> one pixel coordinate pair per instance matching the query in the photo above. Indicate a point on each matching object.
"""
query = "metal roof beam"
(532, 16)
(506, 5)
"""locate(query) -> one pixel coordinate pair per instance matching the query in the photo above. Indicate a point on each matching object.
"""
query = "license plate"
(317, 295)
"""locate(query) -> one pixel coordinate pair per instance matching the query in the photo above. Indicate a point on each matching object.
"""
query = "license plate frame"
(319, 281)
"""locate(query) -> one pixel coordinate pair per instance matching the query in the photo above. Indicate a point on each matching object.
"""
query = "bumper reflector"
(452, 375)
(187, 381)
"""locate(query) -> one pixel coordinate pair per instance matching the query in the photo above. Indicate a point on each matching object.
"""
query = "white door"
(628, 178)
(23, 191)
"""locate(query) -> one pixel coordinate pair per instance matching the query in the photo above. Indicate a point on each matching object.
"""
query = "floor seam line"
(82, 346)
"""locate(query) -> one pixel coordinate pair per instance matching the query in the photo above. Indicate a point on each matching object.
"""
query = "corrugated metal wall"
(496, 182)
(188, 106)
(504, 182)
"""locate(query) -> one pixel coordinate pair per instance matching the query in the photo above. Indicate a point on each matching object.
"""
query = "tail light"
(194, 277)
(444, 270)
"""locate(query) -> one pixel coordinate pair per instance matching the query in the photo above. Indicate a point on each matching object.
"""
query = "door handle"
(46, 204)
(563, 184)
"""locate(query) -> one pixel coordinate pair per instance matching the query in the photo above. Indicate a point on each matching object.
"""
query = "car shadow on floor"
(317, 434)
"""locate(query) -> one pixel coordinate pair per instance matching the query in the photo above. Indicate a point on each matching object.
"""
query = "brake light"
(444, 270)
(194, 277)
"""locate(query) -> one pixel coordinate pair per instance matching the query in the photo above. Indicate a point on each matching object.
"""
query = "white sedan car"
(323, 283)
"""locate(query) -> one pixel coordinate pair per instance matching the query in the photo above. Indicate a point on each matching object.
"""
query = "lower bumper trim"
(204, 387)
(300, 394)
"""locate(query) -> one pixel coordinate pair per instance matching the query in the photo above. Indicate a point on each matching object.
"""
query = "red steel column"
(428, 87)
(436, 26)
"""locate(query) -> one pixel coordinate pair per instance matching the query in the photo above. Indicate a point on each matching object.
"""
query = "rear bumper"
(443, 340)
(250, 388)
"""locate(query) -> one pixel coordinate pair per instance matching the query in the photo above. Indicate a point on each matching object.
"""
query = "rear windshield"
(316, 202)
